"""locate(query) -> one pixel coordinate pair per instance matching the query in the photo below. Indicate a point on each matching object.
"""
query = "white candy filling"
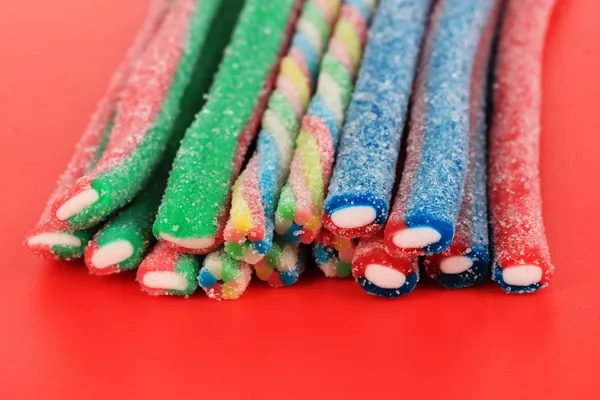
(384, 277)
(112, 253)
(354, 216)
(76, 203)
(195, 244)
(456, 264)
(252, 258)
(416, 238)
(54, 239)
(213, 264)
(522, 275)
(167, 280)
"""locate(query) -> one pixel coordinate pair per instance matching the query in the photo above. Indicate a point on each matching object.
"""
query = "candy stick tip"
(75, 204)
(354, 217)
(384, 276)
(419, 237)
(456, 264)
(522, 275)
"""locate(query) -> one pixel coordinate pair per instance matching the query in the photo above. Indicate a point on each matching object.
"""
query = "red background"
(65, 334)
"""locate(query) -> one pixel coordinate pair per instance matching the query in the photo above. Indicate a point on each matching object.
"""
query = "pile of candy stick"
(161, 181)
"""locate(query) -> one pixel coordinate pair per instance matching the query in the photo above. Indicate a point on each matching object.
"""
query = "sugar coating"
(470, 246)
(224, 278)
(432, 182)
(518, 231)
(298, 215)
(196, 201)
(283, 265)
(254, 194)
(174, 265)
(364, 172)
(334, 254)
(148, 113)
(92, 143)
(372, 252)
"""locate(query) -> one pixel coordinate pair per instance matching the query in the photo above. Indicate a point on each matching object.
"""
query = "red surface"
(65, 334)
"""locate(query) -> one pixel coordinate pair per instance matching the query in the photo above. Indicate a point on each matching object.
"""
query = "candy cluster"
(379, 148)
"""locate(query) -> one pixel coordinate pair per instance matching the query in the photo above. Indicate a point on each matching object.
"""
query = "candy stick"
(167, 271)
(256, 190)
(148, 110)
(194, 210)
(425, 212)
(46, 240)
(358, 200)
(382, 274)
(224, 278)
(298, 215)
(466, 262)
(334, 254)
(521, 256)
(283, 265)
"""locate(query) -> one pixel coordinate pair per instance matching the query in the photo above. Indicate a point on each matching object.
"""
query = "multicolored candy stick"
(46, 240)
(298, 215)
(359, 194)
(381, 274)
(195, 207)
(167, 271)
(334, 254)
(283, 265)
(147, 114)
(425, 212)
(466, 262)
(256, 190)
(521, 256)
(224, 278)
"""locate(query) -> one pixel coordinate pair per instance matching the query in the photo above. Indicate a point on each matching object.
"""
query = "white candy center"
(416, 238)
(522, 275)
(195, 244)
(456, 264)
(76, 203)
(54, 239)
(354, 216)
(167, 280)
(112, 254)
(384, 277)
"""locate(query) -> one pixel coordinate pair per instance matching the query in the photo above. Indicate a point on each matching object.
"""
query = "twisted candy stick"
(334, 254)
(466, 262)
(298, 215)
(359, 194)
(224, 278)
(193, 212)
(46, 240)
(382, 274)
(167, 271)
(249, 230)
(425, 212)
(283, 265)
(145, 122)
(521, 256)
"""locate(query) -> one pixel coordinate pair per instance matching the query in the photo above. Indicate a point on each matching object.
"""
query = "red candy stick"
(521, 256)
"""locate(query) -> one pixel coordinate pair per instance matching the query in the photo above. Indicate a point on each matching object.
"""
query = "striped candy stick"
(382, 274)
(249, 231)
(298, 215)
(426, 209)
(334, 254)
(466, 262)
(167, 271)
(521, 255)
(46, 240)
(224, 278)
(147, 115)
(195, 208)
(283, 265)
(360, 191)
